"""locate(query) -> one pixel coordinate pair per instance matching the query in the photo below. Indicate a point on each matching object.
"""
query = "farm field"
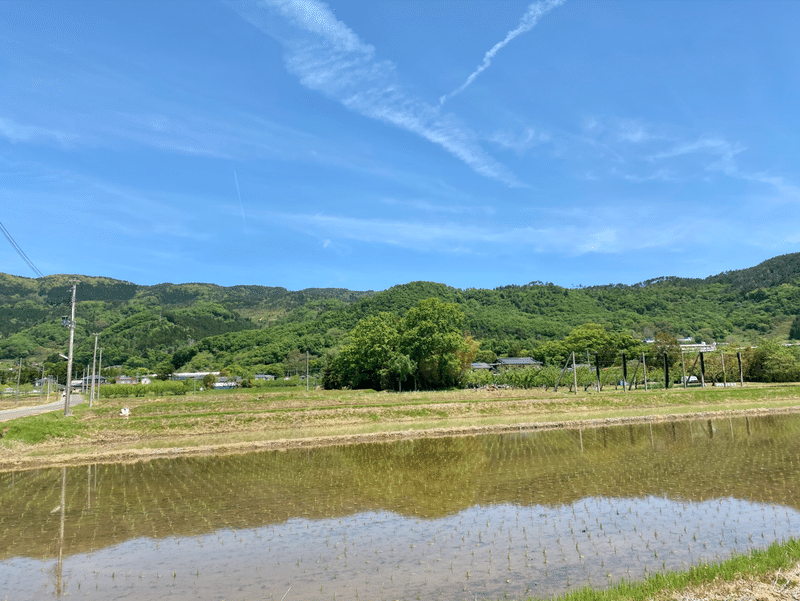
(515, 514)
(217, 422)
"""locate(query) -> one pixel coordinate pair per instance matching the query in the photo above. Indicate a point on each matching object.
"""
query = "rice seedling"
(203, 510)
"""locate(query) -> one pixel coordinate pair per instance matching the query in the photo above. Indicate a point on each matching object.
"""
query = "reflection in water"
(62, 508)
(531, 513)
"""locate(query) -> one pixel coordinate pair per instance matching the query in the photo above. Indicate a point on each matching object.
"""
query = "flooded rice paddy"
(534, 513)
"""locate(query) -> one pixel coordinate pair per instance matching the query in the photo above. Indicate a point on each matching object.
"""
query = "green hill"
(204, 324)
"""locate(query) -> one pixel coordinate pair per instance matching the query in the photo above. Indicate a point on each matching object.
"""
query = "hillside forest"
(420, 334)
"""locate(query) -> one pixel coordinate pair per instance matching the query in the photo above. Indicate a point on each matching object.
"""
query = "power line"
(19, 250)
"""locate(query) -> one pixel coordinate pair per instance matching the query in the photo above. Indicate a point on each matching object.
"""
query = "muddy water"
(523, 514)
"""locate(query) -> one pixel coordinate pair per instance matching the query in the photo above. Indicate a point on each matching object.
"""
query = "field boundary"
(136, 455)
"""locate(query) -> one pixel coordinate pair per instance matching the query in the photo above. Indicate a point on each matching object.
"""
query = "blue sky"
(366, 144)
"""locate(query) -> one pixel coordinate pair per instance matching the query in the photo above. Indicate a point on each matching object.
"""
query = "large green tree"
(374, 343)
(433, 337)
(427, 346)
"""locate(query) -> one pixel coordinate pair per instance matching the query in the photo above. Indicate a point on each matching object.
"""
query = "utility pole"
(99, 372)
(70, 323)
(306, 371)
(94, 365)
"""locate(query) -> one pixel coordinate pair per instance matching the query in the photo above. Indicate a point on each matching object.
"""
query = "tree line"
(203, 327)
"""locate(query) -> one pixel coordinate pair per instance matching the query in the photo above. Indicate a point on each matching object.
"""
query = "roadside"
(25, 411)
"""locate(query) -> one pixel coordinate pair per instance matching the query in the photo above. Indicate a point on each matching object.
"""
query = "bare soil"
(783, 585)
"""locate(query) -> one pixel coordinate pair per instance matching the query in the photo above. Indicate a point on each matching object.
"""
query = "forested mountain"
(140, 325)
(204, 326)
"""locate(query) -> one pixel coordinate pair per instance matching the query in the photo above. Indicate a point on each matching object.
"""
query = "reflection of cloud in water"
(489, 550)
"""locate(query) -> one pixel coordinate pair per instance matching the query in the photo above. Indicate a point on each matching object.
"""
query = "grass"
(232, 417)
(40, 428)
(757, 563)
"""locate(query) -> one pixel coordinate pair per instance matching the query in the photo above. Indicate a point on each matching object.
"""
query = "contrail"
(529, 20)
(239, 194)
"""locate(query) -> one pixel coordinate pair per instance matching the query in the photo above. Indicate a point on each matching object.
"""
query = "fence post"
(589, 361)
(597, 369)
(724, 377)
(555, 388)
(683, 369)
(644, 370)
(741, 373)
(574, 373)
(624, 372)
(702, 370)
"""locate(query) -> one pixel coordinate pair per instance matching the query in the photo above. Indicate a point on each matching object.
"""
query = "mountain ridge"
(143, 325)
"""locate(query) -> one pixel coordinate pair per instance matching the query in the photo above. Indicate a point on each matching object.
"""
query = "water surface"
(454, 518)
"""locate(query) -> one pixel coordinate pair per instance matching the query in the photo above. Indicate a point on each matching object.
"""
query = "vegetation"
(256, 329)
(275, 412)
(757, 563)
(385, 351)
(41, 428)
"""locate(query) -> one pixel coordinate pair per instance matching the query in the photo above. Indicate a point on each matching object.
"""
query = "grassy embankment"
(235, 420)
(767, 574)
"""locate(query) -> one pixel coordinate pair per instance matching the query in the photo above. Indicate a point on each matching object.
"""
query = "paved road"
(7, 414)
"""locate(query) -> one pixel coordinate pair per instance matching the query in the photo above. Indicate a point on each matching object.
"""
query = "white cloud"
(328, 57)
(529, 20)
(426, 206)
(639, 152)
(718, 147)
(580, 236)
(18, 132)
(633, 132)
(519, 142)
(599, 241)
(662, 174)
(787, 191)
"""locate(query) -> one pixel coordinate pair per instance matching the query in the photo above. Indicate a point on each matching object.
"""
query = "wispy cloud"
(19, 132)
(582, 235)
(519, 142)
(787, 191)
(529, 20)
(723, 150)
(641, 152)
(633, 131)
(328, 57)
(659, 175)
(425, 206)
